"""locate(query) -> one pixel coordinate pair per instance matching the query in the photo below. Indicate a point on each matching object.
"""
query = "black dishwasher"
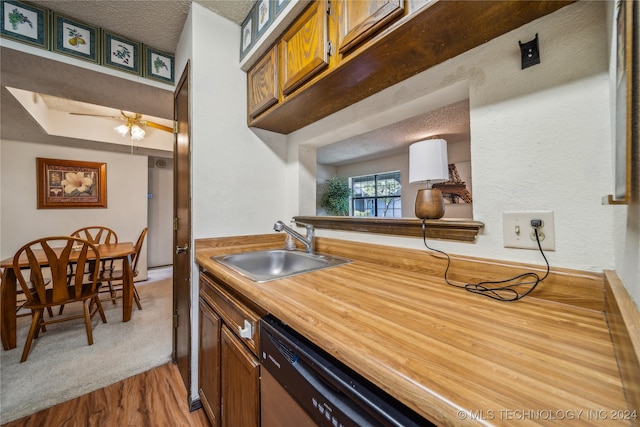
(332, 394)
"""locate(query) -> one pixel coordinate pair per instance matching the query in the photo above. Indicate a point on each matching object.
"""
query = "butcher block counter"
(455, 357)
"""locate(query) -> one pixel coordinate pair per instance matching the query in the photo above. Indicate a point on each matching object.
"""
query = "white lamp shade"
(428, 161)
(123, 130)
(137, 133)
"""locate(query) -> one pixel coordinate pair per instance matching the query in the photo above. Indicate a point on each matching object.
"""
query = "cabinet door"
(361, 19)
(209, 363)
(240, 383)
(262, 84)
(304, 47)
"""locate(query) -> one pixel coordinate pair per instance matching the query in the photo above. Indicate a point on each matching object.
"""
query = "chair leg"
(87, 322)
(35, 326)
(136, 297)
(112, 292)
(50, 312)
(100, 310)
(60, 310)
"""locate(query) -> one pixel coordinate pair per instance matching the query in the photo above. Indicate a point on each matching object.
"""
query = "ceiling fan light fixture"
(137, 133)
(123, 130)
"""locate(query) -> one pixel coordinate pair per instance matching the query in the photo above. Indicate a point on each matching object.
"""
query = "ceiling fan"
(133, 125)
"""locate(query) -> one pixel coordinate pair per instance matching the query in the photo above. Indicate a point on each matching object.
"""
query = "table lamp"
(428, 162)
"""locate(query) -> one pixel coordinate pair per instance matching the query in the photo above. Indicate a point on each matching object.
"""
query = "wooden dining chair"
(40, 296)
(98, 235)
(111, 276)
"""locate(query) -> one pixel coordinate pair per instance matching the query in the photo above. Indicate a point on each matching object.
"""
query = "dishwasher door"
(330, 393)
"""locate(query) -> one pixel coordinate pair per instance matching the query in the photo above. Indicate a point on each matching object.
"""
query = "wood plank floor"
(153, 398)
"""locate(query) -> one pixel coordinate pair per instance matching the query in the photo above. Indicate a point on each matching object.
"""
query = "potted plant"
(335, 196)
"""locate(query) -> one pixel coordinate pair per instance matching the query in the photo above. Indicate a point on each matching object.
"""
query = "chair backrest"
(56, 253)
(97, 234)
(138, 248)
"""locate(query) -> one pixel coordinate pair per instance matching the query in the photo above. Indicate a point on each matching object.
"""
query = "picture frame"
(247, 33)
(74, 38)
(624, 103)
(280, 5)
(121, 53)
(264, 16)
(64, 184)
(158, 65)
(25, 23)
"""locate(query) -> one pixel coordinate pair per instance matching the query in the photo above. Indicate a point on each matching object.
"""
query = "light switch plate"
(518, 232)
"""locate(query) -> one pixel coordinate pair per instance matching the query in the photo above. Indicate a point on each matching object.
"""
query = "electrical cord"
(501, 290)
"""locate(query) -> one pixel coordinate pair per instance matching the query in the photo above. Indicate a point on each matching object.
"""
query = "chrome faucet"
(308, 241)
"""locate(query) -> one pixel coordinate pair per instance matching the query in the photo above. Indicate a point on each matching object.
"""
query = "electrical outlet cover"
(518, 233)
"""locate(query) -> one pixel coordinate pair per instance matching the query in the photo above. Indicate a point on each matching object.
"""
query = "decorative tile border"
(158, 65)
(247, 33)
(280, 5)
(25, 23)
(121, 53)
(74, 38)
(33, 25)
(264, 16)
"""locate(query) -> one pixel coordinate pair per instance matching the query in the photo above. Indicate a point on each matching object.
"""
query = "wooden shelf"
(444, 229)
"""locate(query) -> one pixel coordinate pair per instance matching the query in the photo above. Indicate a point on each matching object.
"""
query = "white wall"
(237, 178)
(538, 136)
(160, 235)
(126, 211)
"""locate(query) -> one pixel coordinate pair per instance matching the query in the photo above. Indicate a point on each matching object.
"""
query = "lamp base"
(429, 204)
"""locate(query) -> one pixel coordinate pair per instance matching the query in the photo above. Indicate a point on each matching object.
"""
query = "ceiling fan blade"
(96, 115)
(157, 126)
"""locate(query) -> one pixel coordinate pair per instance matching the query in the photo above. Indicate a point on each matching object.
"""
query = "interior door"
(182, 233)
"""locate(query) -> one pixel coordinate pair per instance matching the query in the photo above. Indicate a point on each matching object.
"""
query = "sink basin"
(263, 266)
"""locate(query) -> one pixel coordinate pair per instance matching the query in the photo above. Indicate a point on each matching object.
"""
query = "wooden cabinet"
(361, 19)
(375, 44)
(262, 83)
(304, 47)
(240, 383)
(209, 362)
(229, 369)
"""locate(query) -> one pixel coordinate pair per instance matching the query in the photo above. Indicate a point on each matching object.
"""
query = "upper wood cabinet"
(376, 44)
(304, 47)
(361, 19)
(262, 83)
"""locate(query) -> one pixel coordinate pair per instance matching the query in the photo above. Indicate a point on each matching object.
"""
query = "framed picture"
(25, 23)
(263, 16)
(71, 184)
(74, 38)
(158, 65)
(624, 103)
(280, 5)
(247, 33)
(121, 53)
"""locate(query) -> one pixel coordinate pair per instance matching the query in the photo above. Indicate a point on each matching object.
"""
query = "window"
(376, 195)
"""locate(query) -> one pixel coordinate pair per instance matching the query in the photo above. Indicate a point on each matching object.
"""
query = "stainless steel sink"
(263, 266)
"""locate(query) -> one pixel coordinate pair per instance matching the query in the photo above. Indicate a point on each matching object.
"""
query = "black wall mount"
(530, 52)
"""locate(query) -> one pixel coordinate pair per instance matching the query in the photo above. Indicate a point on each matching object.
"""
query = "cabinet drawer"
(240, 318)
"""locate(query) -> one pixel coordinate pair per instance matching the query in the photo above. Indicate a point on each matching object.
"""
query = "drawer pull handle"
(247, 331)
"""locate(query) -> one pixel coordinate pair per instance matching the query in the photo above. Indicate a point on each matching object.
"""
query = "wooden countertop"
(454, 357)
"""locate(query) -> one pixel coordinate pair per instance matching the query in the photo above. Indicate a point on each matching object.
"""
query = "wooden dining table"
(8, 286)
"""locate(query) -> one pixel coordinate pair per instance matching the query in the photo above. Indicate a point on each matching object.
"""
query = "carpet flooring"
(62, 366)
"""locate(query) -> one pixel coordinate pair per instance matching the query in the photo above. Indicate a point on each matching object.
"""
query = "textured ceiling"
(450, 122)
(157, 23)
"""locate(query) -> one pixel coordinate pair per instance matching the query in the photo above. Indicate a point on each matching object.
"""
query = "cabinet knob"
(247, 331)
